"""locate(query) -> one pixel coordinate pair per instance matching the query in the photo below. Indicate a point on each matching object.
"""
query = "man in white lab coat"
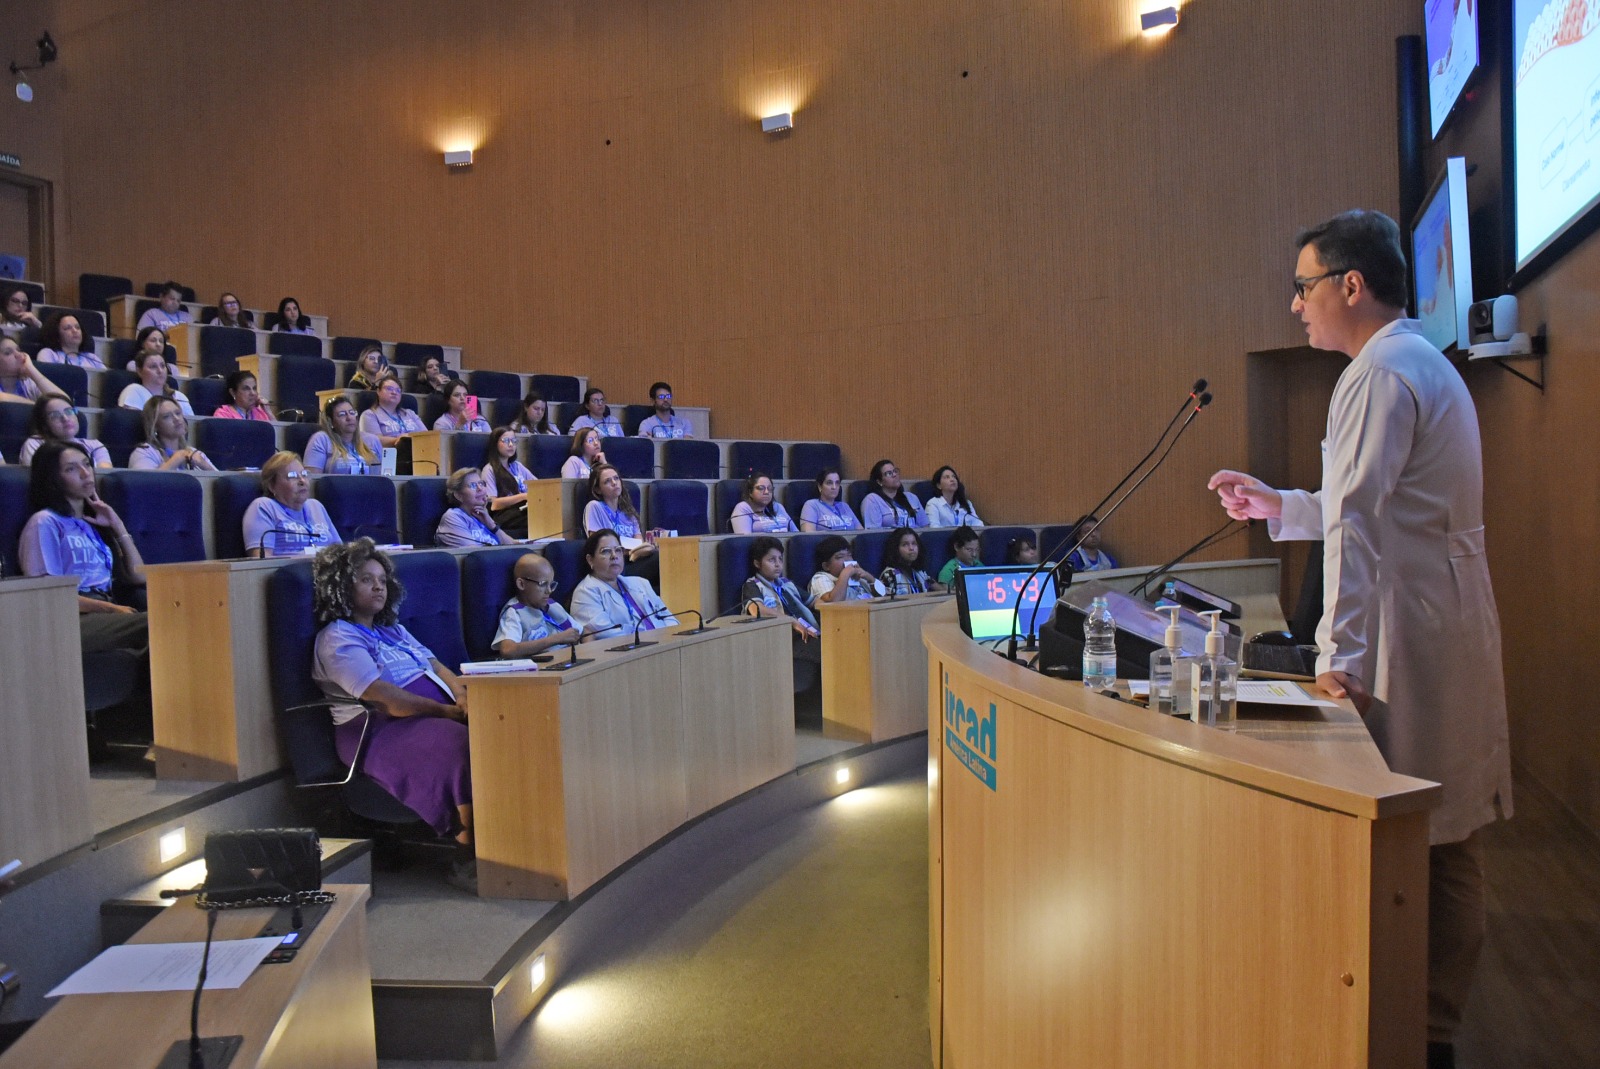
(1409, 631)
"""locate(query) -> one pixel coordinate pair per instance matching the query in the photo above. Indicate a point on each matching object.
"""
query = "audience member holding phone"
(432, 377)
(463, 411)
(371, 366)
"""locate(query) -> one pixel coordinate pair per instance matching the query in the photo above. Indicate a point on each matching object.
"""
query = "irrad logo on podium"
(970, 736)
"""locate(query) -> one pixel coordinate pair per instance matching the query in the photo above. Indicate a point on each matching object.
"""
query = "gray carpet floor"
(807, 948)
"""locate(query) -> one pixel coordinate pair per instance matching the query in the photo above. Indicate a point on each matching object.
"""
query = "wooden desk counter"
(312, 1013)
(44, 758)
(1141, 891)
(575, 772)
(874, 670)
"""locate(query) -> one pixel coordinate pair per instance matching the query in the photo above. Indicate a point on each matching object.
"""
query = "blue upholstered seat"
(733, 568)
(634, 458)
(747, 457)
(680, 505)
(432, 607)
(13, 515)
(807, 460)
(231, 495)
(566, 557)
(992, 542)
(633, 415)
(795, 494)
(485, 587)
(15, 419)
(413, 353)
(94, 291)
(359, 506)
(923, 489)
(431, 407)
(163, 511)
(869, 547)
(503, 411)
(113, 381)
(856, 491)
(72, 381)
(562, 388)
(221, 348)
(346, 347)
(544, 454)
(421, 504)
(484, 384)
(296, 436)
(120, 430)
(800, 559)
(470, 449)
(299, 379)
(205, 395)
(727, 494)
(1055, 541)
(236, 443)
(286, 344)
(687, 458)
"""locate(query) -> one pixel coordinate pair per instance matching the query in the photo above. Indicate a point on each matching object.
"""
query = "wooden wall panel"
(1016, 270)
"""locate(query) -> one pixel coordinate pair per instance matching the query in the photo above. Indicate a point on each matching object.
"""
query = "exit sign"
(8, 160)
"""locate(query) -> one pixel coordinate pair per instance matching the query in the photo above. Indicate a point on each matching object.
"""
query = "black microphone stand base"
(702, 629)
(628, 646)
(564, 665)
(216, 1052)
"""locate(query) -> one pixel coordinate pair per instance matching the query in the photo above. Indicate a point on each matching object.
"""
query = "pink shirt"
(230, 412)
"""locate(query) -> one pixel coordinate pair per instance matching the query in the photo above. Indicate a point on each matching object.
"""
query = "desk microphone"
(261, 546)
(424, 460)
(889, 579)
(638, 644)
(1220, 534)
(574, 660)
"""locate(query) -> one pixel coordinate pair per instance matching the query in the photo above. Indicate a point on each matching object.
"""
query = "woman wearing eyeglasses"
(339, 448)
(286, 521)
(388, 419)
(468, 522)
(55, 420)
(891, 505)
(759, 512)
(607, 602)
(507, 479)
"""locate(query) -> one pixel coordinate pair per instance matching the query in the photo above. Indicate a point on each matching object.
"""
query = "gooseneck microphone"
(1219, 535)
(574, 660)
(1199, 399)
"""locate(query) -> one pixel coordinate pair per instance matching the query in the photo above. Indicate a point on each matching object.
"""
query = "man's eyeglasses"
(1303, 286)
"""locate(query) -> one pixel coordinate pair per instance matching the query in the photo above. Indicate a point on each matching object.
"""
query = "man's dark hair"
(828, 547)
(1364, 241)
(657, 387)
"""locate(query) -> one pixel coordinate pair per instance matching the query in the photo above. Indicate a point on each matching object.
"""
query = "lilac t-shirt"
(447, 422)
(319, 454)
(81, 358)
(376, 421)
(746, 520)
(597, 516)
(99, 456)
(458, 528)
(349, 658)
(287, 531)
(519, 474)
(52, 544)
(835, 517)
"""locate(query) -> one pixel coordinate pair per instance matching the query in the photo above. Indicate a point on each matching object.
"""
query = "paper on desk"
(167, 967)
(1278, 692)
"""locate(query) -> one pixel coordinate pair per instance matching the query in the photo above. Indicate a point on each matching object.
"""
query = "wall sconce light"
(1161, 20)
(777, 124)
(460, 158)
(46, 47)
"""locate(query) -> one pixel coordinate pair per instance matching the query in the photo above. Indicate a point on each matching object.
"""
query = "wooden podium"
(1117, 888)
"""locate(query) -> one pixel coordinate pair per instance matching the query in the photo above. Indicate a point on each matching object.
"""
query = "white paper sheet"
(1278, 692)
(167, 967)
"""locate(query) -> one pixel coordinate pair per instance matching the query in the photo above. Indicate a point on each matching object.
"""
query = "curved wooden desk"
(1110, 887)
(575, 772)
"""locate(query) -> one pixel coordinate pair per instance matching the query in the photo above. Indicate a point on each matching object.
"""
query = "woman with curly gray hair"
(370, 666)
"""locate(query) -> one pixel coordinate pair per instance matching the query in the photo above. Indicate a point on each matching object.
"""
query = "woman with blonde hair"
(286, 520)
(166, 446)
(339, 448)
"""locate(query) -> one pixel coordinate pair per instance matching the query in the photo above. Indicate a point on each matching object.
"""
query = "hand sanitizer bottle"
(1214, 681)
(1163, 698)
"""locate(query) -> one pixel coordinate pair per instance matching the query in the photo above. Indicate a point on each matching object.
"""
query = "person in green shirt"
(964, 547)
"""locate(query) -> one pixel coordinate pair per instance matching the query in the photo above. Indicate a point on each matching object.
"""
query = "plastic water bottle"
(1099, 646)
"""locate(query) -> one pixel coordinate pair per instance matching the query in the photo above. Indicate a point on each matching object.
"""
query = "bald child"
(531, 623)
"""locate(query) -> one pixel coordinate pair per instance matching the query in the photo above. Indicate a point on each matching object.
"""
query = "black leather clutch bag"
(262, 863)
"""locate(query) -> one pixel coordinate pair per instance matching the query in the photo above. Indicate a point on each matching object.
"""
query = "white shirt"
(941, 514)
(134, 396)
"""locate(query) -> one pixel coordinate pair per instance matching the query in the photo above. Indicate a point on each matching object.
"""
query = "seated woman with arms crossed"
(605, 601)
(828, 511)
(891, 505)
(531, 622)
(839, 577)
(339, 448)
(585, 454)
(467, 522)
(949, 506)
(66, 343)
(286, 521)
(388, 420)
(507, 479)
(166, 441)
(73, 532)
(244, 399)
(373, 669)
(759, 513)
(55, 420)
(902, 564)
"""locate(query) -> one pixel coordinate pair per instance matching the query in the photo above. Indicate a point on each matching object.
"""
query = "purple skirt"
(421, 760)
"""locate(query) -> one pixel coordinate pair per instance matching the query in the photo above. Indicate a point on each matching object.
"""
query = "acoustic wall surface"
(1005, 235)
